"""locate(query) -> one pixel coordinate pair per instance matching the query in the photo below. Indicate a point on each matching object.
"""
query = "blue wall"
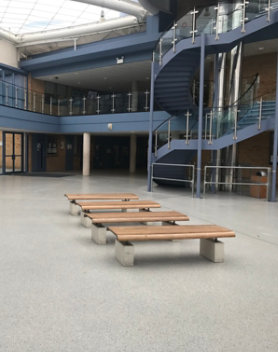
(22, 120)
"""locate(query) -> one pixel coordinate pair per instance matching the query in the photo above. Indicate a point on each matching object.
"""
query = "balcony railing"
(90, 104)
(213, 20)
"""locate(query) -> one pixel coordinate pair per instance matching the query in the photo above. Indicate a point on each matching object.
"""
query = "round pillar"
(86, 153)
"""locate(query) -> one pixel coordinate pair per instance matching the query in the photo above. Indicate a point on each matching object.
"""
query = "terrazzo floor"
(61, 292)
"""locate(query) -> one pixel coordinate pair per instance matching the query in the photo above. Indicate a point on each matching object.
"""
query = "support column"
(132, 154)
(235, 73)
(134, 100)
(86, 153)
(150, 146)
(275, 144)
(200, 119)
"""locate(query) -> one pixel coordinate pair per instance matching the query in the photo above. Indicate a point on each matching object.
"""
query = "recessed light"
(261, 48)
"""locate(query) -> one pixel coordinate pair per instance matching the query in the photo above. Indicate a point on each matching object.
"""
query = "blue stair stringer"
(173, 81)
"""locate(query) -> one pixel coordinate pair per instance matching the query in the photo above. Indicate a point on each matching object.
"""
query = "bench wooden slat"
(118, 205)
(147, 233)
(101, 196)
(98, 218)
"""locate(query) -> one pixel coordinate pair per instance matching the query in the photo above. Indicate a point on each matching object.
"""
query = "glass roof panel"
(26, 16)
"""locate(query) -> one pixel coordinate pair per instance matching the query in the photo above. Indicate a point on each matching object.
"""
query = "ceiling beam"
(125, 6)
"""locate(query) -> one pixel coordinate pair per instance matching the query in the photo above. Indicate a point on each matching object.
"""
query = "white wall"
(8, 53)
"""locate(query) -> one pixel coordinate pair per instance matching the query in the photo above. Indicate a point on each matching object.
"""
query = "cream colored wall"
(8, 53)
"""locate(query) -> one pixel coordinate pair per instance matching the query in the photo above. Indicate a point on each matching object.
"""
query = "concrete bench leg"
(124, 252)
(212, 250)
(98, 234)
(85, 220)
(74, 209)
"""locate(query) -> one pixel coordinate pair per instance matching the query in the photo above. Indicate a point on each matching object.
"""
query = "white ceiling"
(26, 16)
(115, 78)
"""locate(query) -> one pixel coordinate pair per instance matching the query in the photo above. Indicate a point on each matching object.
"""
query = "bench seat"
(87, 207)
(210, 247)
(99, 220)
(96, 196)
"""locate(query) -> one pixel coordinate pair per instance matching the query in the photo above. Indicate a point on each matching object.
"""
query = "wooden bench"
(100, 219)
(210, 247)
(75, 210)
(86, 207)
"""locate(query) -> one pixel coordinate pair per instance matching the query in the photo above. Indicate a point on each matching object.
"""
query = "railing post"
(43, 99)
(25, 99)
(16, 97)
(98, 104)
(169, 134)
(129, 102)
(236, 111)
(244, 18)
(7, 94)
(174, 36)
(58, 107)
(194, 29)
(260, 113)
(187, 127)
(268, 9)
(160, 51)
(211, 115)
(34, 102)
(70, 106)
(156, 141)
(84, 105)
(50, 105)
(217, 8)
(113, 96)
(146, 107)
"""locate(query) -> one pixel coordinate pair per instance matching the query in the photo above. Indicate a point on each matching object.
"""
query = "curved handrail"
(212, 20)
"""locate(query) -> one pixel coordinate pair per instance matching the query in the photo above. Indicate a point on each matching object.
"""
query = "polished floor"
(61, 292)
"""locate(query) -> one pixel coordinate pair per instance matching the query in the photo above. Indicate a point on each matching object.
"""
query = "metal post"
(113, 96)
(147, 93)
(98, 98)
(151, 131)
(84, 105)
(260, 113)
(160, 51)
(58, 107)
(129, 101)
(34, 102)
(217, 8)
(70, 106)
(211, 114)
(275, 144)
(244, 18)
(194, 30)
(235, 123)
(169, 134)
(174, 37)
(268, 9)
(187, 127)
(16, 97)
(155, 145)
(43, 99)
(50, 105)
(200, 118)
(25, 99)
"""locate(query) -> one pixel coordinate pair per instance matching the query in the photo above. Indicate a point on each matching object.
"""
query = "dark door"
(13, 155)
(39, 152)
(69, 152)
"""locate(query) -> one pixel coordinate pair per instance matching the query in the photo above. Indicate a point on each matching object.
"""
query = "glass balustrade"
(213, 20)
(91, 104)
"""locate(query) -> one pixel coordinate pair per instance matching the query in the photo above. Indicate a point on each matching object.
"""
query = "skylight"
(27, 16)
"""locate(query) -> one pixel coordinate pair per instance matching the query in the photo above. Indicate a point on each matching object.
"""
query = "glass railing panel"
(212, 20)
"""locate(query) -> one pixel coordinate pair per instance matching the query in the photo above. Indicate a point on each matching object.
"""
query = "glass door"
(12, 152)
